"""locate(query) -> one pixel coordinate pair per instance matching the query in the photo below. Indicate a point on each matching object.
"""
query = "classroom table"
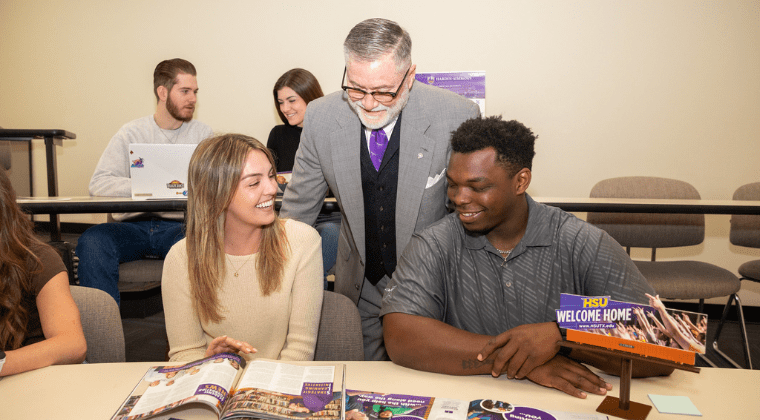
(96, 391)
(88, 204)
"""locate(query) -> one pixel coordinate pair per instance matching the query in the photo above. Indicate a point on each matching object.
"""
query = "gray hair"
(374, 38)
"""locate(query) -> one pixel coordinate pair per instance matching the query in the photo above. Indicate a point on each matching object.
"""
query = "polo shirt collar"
(537, 233)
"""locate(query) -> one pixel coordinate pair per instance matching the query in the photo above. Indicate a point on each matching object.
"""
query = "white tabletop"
(96, 391)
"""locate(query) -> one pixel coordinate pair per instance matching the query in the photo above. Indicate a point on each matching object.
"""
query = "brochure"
(362, 405)
(646, 330)
(225, 385)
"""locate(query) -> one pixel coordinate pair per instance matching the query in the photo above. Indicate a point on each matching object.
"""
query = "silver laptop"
(159, 171)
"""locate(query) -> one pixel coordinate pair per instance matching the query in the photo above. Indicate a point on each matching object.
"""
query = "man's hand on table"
(522, 349)
(569, 377)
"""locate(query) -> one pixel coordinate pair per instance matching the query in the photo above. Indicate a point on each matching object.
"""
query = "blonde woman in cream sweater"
(242, 280)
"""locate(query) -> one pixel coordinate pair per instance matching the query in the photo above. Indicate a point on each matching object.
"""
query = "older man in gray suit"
(382, 148)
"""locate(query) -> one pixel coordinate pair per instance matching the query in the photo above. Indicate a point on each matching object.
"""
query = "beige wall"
(668, 89)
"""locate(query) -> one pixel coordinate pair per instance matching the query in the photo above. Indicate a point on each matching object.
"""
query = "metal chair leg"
(742, 327)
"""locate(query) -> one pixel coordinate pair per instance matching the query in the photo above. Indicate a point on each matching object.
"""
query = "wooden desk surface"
(96, 391)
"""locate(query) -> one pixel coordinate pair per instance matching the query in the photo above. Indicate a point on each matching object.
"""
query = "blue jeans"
(328, 226)
(102, 247)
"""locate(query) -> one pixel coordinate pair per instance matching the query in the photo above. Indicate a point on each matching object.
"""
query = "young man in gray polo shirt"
(476, 292)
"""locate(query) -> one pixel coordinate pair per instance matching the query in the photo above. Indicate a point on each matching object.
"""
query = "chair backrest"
(745, 229)
(340, 330)
(649, 230)
(101, 323)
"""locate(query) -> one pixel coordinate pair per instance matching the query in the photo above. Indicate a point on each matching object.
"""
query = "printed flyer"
(647, 330)
(363, 405)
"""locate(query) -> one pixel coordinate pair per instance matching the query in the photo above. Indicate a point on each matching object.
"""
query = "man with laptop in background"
(137, 235)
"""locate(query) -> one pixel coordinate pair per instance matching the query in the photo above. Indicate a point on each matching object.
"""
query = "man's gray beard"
(390, 115)
(174, 111)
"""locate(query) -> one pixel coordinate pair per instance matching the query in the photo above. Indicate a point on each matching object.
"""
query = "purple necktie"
(378, 142)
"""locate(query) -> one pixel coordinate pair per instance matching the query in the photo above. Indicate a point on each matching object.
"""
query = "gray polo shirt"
(458, 277)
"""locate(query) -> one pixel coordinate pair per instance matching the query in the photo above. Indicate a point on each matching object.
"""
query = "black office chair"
(745, 231)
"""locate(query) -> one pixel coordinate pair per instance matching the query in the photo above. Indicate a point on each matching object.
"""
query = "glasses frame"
(365, 93)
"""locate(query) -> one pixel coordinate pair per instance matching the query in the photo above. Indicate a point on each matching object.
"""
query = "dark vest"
(379, 189)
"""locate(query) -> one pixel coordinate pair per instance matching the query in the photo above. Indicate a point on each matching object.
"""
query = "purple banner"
(599, 312)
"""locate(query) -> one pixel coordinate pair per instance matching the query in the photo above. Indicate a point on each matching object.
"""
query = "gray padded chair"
(101, 323)
(340, 330)
(140, 275)
(745, 231)
(671, 279)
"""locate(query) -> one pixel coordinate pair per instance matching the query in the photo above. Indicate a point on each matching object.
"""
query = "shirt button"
(382, 228)
(356, 286)
(508, 284)
(385, 246)
(381, 208)
(379, 188)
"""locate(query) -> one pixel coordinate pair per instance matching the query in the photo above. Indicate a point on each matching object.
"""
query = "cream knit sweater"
(282, 325)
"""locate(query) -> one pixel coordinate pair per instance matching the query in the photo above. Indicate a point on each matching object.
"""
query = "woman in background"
(242, 277)
(39, 321)
(292, 92)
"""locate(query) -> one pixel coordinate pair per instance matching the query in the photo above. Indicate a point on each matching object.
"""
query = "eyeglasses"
(382, 97)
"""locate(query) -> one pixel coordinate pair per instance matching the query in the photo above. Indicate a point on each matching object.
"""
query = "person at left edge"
(137, 235)
(39, 320)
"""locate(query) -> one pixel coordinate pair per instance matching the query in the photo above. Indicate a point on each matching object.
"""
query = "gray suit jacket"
(329, 157)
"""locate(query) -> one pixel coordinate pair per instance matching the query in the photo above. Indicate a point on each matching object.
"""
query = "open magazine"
(231, 388)
(362, 405)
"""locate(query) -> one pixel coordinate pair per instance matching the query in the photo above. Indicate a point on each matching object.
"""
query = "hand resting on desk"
(427, 344)
(522, 349)
(224, 344)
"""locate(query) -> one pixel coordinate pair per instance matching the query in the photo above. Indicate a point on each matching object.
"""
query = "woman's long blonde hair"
(213, 177)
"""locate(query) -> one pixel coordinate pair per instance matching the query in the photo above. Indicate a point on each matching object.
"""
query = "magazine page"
(274, 390)
(500, 410)
(363, 405)
(163, 388)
